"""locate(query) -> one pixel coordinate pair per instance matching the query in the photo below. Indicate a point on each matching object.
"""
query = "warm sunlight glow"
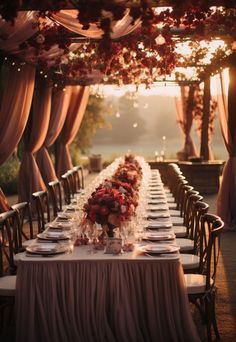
(162, 89)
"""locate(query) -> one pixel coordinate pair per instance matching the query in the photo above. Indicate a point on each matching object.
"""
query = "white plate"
(59, 225)
(158, 207)
(158, 225)
(159, 248)
(153, 236)
(154, 215)
(56, 235)
(46, 248)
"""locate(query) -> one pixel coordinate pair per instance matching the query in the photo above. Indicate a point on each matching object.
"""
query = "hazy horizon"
(139, 125)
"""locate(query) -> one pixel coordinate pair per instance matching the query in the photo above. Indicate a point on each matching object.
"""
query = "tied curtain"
(60, 105)
(78, 102)
(226, 201)
(184, 107)
(14, 111)
(30, 179)
(69, 19)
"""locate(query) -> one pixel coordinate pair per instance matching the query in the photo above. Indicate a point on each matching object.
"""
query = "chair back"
(41, 199)
(199, 209)
(23, 210)
(55, 194)
(211, 229)
(179, 193)
(10, 242)
(66, 185)
(78, 176)
(192, 198)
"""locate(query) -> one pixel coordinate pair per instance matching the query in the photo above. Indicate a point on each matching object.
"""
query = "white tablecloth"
(90, 297)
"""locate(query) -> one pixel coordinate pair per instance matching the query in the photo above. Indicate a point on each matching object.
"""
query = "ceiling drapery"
(120, 28)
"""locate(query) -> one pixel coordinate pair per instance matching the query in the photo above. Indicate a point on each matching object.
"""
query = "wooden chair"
(42, 205)
(55, 193)
(201, 287)
(23, 210)
(8, 246)
(187, 244)
(191, 261)
(181, 224)
(66, 184)
(78, 177)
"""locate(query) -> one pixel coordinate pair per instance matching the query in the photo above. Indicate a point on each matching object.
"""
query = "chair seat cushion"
(26, 243)
(174, 212)
(189, 261)
(170, 200)
(196, 283)
(7, 286)
(185, 244)
(180, 231)
(177, 221)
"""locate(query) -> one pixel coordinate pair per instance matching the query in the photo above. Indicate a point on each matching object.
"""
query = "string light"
(18, 69)
(13, 63)
(45, 76)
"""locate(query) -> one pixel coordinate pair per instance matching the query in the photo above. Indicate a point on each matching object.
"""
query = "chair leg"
(208, 313)
(214, 322)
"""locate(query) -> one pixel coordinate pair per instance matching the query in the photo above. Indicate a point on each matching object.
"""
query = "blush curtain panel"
(226, 201)
(14, 111)
(78, 102)
(60, 105)
(185, 119)
(30, 179)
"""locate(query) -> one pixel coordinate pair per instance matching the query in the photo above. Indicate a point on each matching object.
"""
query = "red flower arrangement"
(108, 206)
(130, 172)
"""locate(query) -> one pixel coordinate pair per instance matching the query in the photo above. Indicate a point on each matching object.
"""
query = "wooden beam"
(204, 151)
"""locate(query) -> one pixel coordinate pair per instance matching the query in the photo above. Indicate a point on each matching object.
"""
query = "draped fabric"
(106, 299)
(4, 205)
(14, 111)
(69, 19)
(30, 179)
(11, 36)
(15, 106)
(184, 107)
(226, 201)
(60, 105)
(78, 103)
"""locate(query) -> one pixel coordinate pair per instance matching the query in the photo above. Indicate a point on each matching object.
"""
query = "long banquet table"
(101, 297)
(90, 296)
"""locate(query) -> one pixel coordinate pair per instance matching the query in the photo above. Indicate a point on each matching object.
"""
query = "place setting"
(158, 250)
(47, 249)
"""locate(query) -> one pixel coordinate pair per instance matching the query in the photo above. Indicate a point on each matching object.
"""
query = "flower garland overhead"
(146, 55)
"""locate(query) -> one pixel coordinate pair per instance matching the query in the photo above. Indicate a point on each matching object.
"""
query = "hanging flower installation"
(148, 54)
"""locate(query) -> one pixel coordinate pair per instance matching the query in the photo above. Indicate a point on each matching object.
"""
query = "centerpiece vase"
(113, 244)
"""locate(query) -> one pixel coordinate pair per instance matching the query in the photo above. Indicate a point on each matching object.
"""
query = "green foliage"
(94, 119)
(9, 175)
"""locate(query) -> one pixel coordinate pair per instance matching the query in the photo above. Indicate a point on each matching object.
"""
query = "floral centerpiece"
(109, 205)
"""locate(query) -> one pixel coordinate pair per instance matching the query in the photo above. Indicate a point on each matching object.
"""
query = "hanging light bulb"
(160, 40)
(135, 125)
(117, 114)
